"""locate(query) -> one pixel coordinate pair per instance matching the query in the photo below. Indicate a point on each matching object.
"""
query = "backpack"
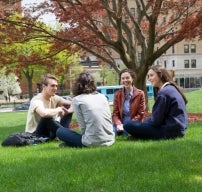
(23, 138)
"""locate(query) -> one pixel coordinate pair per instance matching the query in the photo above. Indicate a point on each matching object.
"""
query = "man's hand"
(67, 111)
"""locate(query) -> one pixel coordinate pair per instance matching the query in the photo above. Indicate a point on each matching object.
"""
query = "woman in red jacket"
(129, 102)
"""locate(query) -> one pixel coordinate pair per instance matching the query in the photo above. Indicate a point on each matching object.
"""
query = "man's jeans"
(47, 127)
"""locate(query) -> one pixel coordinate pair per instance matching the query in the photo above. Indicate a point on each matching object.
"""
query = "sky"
(47, 18)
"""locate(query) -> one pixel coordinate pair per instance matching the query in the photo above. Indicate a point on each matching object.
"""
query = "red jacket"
(137, 106)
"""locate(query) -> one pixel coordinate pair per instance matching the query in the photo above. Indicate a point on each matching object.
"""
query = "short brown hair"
(44, 80)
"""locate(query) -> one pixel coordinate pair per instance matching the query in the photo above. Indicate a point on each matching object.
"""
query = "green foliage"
(106, 77)
(9, 84)
(171, 165)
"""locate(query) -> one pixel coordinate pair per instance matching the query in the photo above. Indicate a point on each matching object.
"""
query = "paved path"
(8, 109)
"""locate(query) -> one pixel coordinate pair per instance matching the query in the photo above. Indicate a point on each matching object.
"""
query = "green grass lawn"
(126, 166)
(194, 101)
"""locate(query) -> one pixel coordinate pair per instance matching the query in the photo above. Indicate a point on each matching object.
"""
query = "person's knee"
(60, 132)
(127, 125)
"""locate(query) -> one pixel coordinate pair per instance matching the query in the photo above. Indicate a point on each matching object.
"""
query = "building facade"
(185, 60)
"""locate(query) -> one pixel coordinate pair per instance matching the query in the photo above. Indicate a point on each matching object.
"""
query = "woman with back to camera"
(93, 116)
(169, 117)
(129, 102)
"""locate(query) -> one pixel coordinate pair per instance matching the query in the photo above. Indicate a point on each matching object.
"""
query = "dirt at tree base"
(193, 117)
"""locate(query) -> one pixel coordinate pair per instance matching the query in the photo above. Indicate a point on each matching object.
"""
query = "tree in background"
(31, 54)
(138, 36)
(9, 85)
(106, 76)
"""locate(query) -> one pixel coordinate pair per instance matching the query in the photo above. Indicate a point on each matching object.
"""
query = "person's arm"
(116, 113)
(66, 102)
(158, 111)
(45, 112)
(79, 116)
(141, 108)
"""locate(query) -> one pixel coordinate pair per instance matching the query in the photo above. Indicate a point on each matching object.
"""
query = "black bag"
(23, 138)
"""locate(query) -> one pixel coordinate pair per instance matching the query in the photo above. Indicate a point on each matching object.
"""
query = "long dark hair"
(44, 80)
(84, 84)
(164, 75)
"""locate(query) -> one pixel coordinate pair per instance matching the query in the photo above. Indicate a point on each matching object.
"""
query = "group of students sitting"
(98, 126)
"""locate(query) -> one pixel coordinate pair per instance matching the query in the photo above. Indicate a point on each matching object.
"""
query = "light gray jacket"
(94, 117)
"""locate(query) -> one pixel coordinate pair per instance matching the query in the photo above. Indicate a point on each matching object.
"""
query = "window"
(165, 64)
(139, 56)
(193, 48)
(193, 63)
(110, 91)
(186, 48)
(173, 49)
(173, 62)
(132, 11)
(182, 82)
(127, 19)
(187, 82)
(186, 63)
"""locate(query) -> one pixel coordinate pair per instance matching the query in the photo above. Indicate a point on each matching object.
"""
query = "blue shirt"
(126, 106)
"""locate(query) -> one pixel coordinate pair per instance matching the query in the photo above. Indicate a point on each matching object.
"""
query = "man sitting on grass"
(45, 107)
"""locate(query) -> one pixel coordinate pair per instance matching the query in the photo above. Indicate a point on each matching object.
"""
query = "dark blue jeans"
(47, 127)
(143, 130)
(71, 138)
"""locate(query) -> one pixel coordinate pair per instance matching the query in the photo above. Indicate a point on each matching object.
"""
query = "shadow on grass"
(171, 165)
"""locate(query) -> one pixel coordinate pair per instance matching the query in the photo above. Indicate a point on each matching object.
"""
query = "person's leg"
(143, 130)
(115, 130)
(65, 120)
(71, 138)
(47, 127)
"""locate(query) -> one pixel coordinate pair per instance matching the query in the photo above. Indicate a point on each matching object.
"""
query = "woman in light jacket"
(93, 116)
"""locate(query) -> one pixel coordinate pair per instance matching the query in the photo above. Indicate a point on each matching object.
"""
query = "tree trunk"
(29, 80)
(29, 76)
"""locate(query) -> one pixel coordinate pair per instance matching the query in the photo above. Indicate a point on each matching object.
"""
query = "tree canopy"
(136, 31)
(32, 53)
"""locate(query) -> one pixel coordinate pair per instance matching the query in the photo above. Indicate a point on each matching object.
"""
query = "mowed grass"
(194, 104)
(126, 166)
